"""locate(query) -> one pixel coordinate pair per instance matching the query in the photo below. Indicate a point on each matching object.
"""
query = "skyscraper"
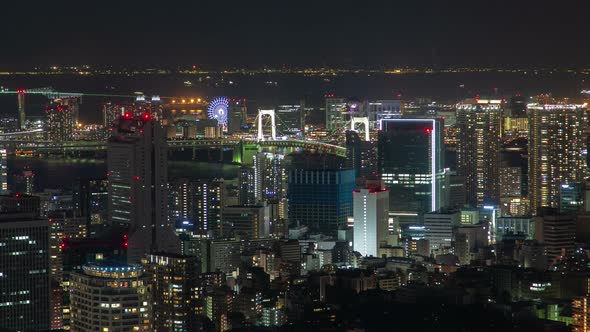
(371, 214)
(518, 106)
(237, 116)
(246, 221)
(320, 199)
(289, 119)
(92, 202)
(378, 110)
(361, 155)
(479, 123)
(174, 291)
(557, 233)
(556, 151)
(24, 273)
(336, 111)
(124, 301)
(270, 176)
(111, 113)
(138, 194)
(410, 163)
(198, 203)
(73, 103)
(61, 121)
(64, 225)
(247, 186)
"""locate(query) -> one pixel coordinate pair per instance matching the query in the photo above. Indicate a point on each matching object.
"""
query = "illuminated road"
(45, 146)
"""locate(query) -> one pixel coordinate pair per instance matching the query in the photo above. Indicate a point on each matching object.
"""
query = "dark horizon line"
(286, 66)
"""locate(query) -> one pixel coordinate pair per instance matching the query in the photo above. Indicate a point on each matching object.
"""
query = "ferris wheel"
(218, 110)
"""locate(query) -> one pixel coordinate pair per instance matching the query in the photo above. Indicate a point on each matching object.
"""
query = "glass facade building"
(410, 163)
(320, 199)
(24, 273)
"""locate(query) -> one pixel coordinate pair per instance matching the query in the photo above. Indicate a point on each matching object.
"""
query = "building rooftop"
(112, 270)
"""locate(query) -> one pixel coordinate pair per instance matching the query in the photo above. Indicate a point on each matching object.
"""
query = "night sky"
(255, 32)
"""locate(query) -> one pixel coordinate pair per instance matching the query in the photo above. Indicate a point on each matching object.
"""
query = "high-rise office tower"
(289, 119)
(439, 229)
(237, 116)
(556, 151)
(336, 113)
(557, 232)
(92, 200)
(123, 301)
(174, 287)
(61, 121)
(246, 221)
(378, 110)
(371, 215)
(24, 273)
(572, 197)
(455, 198)
(478, 149)
(361, 155)
(320, 199)
(138, 192)
(198, 203)
(410, 163)
(518, 106)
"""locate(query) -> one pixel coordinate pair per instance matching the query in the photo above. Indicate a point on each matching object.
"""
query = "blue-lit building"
(320, 199)
(410, 163)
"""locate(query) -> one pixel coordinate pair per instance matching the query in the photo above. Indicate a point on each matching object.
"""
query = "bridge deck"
(178, 144)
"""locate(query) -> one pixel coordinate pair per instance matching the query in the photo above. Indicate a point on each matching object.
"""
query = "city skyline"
(292, 166)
